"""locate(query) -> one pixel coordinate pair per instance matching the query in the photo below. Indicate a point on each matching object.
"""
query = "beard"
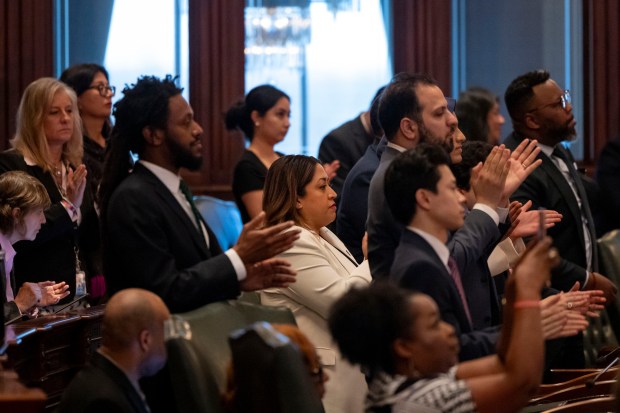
(447, 143)
(183, 157)
(558, 133)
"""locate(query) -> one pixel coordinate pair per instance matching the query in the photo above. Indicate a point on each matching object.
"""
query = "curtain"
(421, 31)
(601, 80)
(216, 74)
(26, 54)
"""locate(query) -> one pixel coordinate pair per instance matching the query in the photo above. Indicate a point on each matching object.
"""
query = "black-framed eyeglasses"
(451, 104)
(565, 99)
(104, 90)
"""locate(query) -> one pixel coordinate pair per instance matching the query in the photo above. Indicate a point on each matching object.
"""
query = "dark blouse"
(249, 175)
(94, 156)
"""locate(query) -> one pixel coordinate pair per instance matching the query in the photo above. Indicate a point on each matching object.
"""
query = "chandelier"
(277, 31)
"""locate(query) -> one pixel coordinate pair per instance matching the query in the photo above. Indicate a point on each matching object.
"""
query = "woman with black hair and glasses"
(94, 94)
(92, 87)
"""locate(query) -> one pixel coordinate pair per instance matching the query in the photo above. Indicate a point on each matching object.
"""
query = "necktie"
(456, 276)
(561, 152)
(190, 198)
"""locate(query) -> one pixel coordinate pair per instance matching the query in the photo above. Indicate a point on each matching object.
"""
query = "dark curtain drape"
(26, 54)
(216, 76)
(421, 38)
(601, 75)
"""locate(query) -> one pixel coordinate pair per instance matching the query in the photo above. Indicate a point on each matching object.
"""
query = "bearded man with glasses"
(540, 109)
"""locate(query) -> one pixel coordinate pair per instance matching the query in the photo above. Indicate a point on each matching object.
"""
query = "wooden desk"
(46, 352)
(15, 397)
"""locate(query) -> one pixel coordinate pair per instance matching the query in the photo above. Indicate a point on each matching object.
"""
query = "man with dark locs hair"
(153, 236)
(541, 110)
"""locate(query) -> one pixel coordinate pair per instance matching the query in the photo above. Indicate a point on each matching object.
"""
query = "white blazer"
(325, 271)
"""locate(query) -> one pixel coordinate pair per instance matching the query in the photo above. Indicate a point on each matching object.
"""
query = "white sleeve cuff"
(489, 211)
(502, 213)
(237, 264)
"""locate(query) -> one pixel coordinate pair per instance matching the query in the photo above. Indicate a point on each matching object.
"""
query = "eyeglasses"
(451, 104)
(565, 99)
(104, 90)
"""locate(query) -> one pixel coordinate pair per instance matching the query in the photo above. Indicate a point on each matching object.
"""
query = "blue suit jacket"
(353, 208)
(417, 267)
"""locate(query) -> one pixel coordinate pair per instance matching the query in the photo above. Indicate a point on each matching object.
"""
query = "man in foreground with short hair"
(132, 348)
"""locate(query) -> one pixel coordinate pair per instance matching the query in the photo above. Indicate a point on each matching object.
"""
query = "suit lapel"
(164, 194)
(565, 191)
(345, 257)
(420, 243)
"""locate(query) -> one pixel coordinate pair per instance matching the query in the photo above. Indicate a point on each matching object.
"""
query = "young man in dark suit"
(153, 236)
(422, 195)
(132, 348)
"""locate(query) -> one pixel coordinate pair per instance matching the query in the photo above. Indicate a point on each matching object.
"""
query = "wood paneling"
(217, 73)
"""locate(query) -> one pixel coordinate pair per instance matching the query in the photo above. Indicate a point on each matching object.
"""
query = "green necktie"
(190, 198)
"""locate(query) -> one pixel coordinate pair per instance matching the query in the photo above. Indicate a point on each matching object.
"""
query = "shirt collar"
(168, 178)
(439, 247)
(397, 147)
(9, 252)
(546, 149)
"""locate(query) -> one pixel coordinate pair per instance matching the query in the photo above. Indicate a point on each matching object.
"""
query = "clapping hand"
(272, 273)
(257, 243)
(76, 183)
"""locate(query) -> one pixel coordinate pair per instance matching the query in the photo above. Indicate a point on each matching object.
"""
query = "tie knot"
(185, 189)
(452, 265)
(560, 152)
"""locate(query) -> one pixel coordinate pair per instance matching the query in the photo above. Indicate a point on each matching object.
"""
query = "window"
(129, 38)
(330, 62)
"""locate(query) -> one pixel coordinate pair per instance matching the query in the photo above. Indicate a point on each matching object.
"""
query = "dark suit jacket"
(101, 387)
(383, 230)
(151, 243)
(417, 267)
(471, 246)
(347, 144)
(548, 188)
(353, 208)
(51, 256)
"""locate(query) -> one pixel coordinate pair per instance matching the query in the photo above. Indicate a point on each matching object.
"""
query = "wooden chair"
(594, 405)
(546, 389)
(578, 392)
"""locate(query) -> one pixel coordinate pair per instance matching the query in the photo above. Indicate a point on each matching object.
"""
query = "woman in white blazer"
(297, 188)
